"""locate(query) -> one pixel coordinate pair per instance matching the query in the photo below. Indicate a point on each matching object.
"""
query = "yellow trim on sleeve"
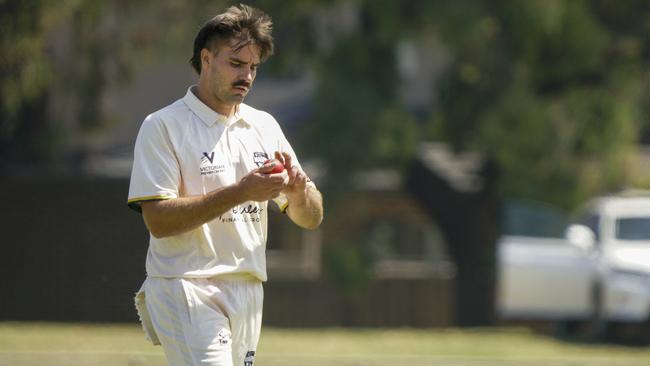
(284, 207)
(148, 198)
(134, 203)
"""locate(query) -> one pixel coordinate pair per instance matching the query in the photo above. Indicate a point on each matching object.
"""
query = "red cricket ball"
(277, 167)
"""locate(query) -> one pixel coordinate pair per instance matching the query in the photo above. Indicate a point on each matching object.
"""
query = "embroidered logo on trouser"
(248, 360)
(224, 336)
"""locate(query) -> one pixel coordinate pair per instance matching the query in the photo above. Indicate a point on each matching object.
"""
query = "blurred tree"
(24, 76)
(549, 92)
(58, 58)
(359, 122)
(37, 39)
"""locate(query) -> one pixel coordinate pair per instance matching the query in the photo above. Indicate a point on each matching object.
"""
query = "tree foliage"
(24, 71)
(57, 59)
(551, 91)
(358, 120)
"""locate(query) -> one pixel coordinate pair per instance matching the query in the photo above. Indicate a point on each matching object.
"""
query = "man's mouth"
(242, 87)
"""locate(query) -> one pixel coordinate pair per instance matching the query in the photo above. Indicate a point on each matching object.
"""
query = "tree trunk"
(469, 222)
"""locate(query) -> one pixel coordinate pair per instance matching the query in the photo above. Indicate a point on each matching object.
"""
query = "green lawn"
(92, 344)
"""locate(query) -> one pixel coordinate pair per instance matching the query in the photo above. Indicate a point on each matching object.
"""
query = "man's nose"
(248, 74)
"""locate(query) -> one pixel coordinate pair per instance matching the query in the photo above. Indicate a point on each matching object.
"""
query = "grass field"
(103, 345)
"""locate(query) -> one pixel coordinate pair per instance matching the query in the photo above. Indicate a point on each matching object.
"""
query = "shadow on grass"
(635, 335)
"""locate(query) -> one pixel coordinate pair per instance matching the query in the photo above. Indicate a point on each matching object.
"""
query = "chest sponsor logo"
(259, 158)
(244, 213)
(208, 166)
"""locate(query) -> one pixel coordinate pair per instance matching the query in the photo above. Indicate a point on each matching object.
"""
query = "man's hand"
(297, 183)
(260, 185)
(305, 202)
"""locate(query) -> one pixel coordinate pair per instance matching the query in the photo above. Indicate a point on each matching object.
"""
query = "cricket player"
(202, 180)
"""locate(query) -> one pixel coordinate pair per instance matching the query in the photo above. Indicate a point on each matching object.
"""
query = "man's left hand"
(297, 182)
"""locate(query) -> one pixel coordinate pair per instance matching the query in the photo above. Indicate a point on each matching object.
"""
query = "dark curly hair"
(243, 23)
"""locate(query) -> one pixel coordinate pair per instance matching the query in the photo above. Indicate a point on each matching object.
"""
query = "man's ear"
(206, 58)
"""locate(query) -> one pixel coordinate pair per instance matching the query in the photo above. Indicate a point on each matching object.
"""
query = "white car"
(599, 271)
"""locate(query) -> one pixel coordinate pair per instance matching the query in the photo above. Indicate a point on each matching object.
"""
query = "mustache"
(243, 83)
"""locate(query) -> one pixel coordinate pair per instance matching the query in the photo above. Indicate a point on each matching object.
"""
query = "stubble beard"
(230, 98)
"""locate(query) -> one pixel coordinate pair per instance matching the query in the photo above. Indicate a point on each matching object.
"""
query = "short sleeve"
(156, 173)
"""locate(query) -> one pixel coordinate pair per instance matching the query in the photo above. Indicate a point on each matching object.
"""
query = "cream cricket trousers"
(203, 321)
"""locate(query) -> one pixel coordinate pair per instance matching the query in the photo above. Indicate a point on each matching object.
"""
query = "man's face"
(230, 72)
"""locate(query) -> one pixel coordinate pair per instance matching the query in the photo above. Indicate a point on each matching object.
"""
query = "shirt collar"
(206, 114)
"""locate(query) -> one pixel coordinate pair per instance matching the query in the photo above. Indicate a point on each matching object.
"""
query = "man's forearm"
(306, 209)
(179, 215)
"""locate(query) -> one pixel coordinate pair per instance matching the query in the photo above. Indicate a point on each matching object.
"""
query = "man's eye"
(235, 64)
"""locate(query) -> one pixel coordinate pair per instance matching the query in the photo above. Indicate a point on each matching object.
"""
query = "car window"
(592, 221)
(633, 228)
(535, 219)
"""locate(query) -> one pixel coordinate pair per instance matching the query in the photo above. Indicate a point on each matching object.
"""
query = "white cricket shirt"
(187, 149)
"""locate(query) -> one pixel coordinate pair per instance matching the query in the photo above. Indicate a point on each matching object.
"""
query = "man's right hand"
(259, 185)
(179, 215)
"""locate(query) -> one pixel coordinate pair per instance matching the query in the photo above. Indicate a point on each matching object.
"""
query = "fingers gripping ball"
(277, 166)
